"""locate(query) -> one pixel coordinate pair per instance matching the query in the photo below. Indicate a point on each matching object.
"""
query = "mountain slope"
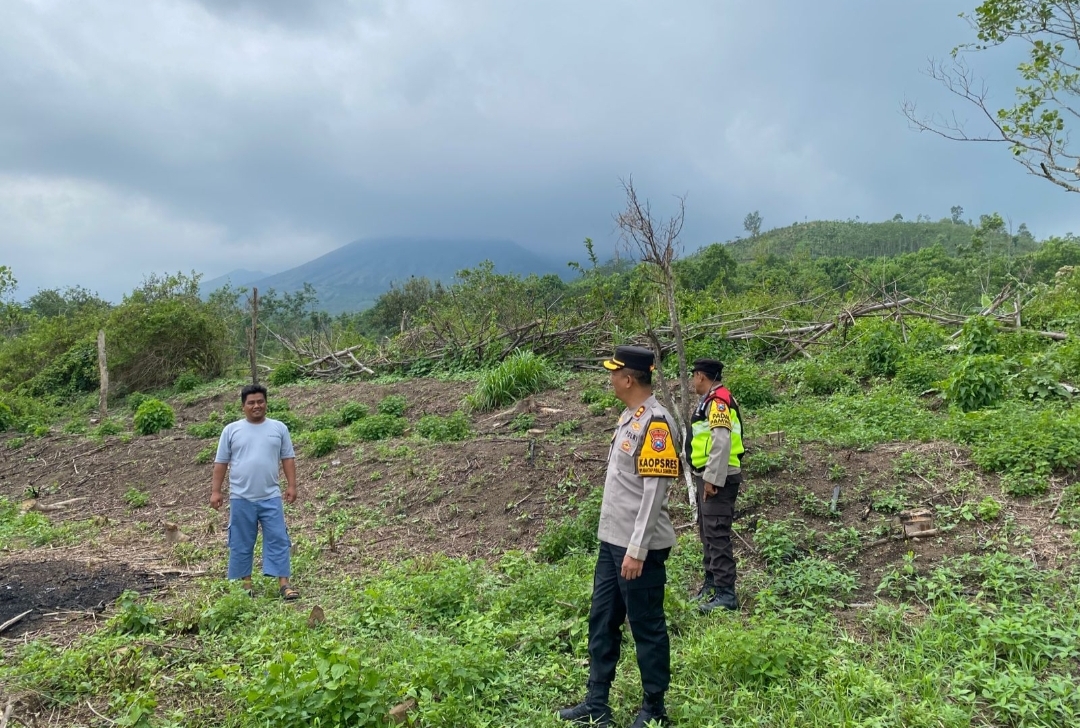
(235, 278)
(868, 239)
(351, 277)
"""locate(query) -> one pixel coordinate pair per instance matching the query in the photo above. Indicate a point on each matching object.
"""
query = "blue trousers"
(245, 517)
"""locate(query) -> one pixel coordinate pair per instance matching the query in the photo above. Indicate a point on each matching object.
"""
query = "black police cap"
(712, 368)
(631, 357)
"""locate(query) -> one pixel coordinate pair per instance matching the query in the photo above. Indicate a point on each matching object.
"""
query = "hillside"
(351, 277)
(234, 278)
(822, 238)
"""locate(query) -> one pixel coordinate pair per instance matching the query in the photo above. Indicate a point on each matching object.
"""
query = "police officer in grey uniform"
(636, 537)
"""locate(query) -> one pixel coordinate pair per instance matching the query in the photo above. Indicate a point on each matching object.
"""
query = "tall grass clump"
(519, 375)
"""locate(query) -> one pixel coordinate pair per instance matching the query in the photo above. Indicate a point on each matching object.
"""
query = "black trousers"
(642, 600)
(715, 515)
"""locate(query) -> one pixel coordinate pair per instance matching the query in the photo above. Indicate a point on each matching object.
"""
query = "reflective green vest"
(701, 440)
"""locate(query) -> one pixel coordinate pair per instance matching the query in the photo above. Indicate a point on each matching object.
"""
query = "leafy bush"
(321, 442)
(444, 429)
(751, 389)
(111, 426)
(134, 615)
(597, 395)
(574, 534)
(206, 455)
(285, 373)
(1017, 439)
(523, 422)
(565, 428)
(919, 373)
(325, 421)
(134, 399)
(290, 420)
(351, 412)
(774, 541)
(1039, 379)
(74, 371)
(393, 405)
(205, 430)
(187, 381)
(153, 416)
(988, 509)
(979, 337)
(977, 382)
(881, 349)
(379, 427)
(823, 379)
(809, 583)
(1021, 484)
(136, 498)
(521, 374)
(7, 417)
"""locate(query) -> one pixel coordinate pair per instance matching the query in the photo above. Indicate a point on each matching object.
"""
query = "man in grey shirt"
(251, 450)
(636, 537)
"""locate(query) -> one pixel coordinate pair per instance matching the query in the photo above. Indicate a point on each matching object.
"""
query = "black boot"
(652, 712)
(594, 710)
(723, 596)
(705, 593)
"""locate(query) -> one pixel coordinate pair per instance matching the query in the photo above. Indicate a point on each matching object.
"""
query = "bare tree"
(1037, 128)
(657, 244)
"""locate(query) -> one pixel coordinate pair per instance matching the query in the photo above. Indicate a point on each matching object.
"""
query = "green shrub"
(153, 416)
(205, 430)
(136, 498)
(1020, 484)
(325, 421)
(979, 337)
(285, 373)
(351, 412)
(1017, 439)
(823, 379)
(523, 422)
(1040, 379)
(751, 388)
(812, 584)
(774, 541)
(321, 442)
(15, 443)
(881, 349)
(111, 426)
(977, 382)
(521, 374)
(988, 509)
(290, 420)
(135, 615)
(393, 405)
(7, 417)
(920, 373)
(565, 428)
(379, 427)
(134, 399)
(206, 455)
(444, 429)
(574, 534)
(186, 382)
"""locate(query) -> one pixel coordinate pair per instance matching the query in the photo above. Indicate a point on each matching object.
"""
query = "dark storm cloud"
(142, 136)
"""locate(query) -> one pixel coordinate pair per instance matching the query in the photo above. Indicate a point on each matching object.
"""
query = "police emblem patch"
(635, 426)
(658, 437)
(626, 446)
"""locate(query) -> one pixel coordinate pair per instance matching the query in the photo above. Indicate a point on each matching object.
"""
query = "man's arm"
(289, 466)
(715, 474)
(217, 481)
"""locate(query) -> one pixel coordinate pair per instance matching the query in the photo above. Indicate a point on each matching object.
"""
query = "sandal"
(288, 593)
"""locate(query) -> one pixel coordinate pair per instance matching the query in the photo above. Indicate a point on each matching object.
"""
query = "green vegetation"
(521, 374)
(379, 427)
(321, 442)
(444, 429)
(153, 416)
(393, 405)
(136, 498)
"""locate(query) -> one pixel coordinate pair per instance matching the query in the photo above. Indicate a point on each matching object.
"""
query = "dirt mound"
(51, 588)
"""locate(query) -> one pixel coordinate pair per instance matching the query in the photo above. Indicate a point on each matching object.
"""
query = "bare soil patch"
(63, 587)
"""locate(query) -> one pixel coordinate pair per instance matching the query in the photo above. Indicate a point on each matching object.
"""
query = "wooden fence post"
(103, 375)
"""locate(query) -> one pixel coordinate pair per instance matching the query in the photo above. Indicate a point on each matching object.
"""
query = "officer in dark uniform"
(636, 537)
(714, 449)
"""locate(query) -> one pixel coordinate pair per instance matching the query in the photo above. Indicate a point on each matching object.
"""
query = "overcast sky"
(162, 135)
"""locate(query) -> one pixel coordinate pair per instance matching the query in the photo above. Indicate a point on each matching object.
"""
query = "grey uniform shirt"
(634, 513)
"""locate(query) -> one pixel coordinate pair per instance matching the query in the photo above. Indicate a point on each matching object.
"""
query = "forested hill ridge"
(855, 239)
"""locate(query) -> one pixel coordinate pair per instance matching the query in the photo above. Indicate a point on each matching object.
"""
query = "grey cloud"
(246, 125)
